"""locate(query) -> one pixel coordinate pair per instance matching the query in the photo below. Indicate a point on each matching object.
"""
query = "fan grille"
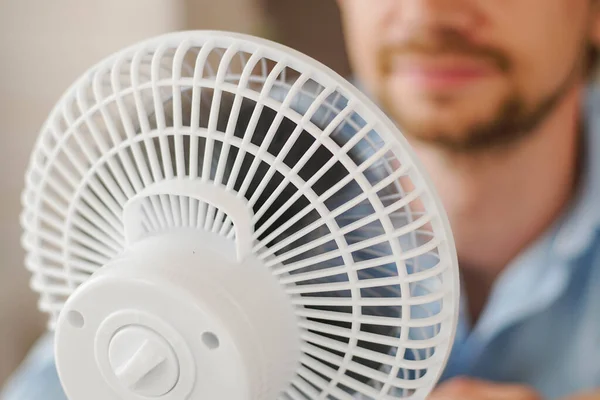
(340, 213)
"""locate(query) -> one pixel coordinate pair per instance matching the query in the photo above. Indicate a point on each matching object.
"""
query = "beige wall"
(44, 45)
(244, 16)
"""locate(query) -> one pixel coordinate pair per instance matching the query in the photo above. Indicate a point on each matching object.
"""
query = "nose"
(458, 15)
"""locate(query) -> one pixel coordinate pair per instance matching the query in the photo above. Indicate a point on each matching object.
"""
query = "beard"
(516, 117)
(513, 121)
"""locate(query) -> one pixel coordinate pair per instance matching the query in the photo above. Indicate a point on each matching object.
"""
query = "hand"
(471, 389)
(595, 395)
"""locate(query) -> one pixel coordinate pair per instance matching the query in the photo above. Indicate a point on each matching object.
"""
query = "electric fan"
(210, 215)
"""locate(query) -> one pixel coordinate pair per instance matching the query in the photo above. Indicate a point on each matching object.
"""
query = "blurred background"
(45, 45)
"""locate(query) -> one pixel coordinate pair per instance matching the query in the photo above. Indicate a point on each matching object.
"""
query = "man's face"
(468, 74)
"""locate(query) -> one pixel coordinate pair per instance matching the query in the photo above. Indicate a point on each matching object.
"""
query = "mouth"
(438, 74)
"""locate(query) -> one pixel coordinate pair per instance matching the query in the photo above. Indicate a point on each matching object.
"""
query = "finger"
(471, 389)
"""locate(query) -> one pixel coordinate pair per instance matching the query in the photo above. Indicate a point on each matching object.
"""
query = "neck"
(500, 201)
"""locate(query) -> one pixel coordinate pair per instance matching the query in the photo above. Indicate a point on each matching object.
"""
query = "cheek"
(544, 40)
(364, 26)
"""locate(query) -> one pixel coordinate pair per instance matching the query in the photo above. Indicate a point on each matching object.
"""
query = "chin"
(483, 97)
(430, 118)
(424, 121)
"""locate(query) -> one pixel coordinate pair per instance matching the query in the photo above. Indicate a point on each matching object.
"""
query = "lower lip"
(442, 78)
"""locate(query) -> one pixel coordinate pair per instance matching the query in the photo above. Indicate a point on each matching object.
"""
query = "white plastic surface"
(143, 361)
(251, 208)
(177, 317)
(235, 208)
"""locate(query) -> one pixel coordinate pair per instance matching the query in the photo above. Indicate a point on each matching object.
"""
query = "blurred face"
(470, 74)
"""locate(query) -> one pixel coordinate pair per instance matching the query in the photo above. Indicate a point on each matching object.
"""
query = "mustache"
(443, 42)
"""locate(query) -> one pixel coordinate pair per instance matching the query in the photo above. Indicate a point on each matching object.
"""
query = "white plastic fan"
(210, 215)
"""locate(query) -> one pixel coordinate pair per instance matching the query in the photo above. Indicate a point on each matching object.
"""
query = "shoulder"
(36, 378)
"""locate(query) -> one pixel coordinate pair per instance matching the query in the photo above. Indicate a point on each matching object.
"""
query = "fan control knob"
(143, 361)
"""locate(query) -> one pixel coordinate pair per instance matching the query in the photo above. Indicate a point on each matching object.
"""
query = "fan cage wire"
(101, 146)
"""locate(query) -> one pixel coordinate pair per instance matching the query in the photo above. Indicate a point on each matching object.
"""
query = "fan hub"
(143, 361)
(176, 317)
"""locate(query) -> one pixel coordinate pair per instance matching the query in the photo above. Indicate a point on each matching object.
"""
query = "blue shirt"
(542, 323)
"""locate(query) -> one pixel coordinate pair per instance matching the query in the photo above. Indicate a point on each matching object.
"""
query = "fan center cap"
(143, 361)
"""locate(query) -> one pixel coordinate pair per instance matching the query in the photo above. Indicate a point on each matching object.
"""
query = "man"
(496, 98)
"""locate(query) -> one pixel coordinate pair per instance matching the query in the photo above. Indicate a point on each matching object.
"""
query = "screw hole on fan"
(76, 319)
(210, 340)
